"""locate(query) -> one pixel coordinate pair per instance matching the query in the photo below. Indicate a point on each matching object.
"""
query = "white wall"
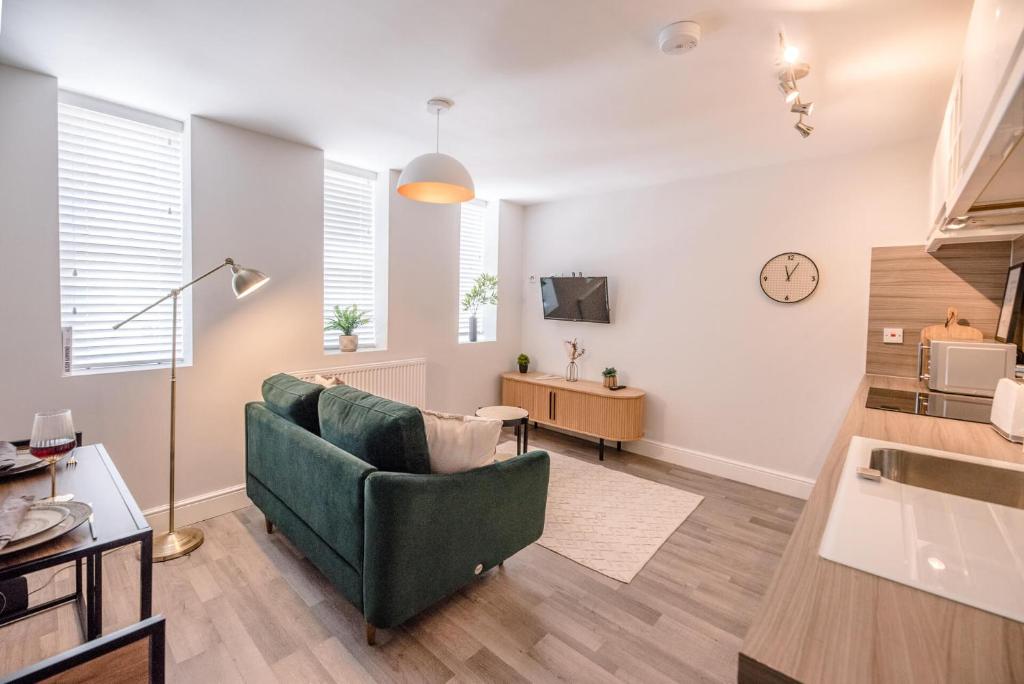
(257, 199)
(737, 384)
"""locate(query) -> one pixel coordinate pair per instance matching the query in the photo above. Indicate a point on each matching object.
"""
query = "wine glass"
(53, 435)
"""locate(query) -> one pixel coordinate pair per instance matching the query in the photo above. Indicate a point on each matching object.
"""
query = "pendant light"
(434, 177)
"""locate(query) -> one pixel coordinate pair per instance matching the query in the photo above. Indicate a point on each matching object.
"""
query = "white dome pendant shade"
(435, 177)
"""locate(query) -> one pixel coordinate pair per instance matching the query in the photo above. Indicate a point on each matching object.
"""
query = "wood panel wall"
(911, 289)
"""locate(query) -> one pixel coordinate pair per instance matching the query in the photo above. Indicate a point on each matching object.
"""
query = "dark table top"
(117, 519)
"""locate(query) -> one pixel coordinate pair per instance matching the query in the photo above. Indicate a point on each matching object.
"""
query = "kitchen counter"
(825, 622)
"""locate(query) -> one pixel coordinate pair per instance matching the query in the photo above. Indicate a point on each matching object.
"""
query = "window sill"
(465, 340)
(124, 369)
(361, 350)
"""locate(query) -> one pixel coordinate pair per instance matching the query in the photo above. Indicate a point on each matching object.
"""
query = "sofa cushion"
(294, 399)
(460, 443)
(384, 433)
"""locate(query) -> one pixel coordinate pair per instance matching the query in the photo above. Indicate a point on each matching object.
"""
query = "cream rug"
(607, 520)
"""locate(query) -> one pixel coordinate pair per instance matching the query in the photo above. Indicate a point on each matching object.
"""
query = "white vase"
(472, 328)
(348, 343)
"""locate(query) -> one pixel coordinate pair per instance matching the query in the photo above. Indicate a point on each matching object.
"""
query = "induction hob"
(935, 404)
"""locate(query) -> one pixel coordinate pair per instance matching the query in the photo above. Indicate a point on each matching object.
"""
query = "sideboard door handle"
(554, 406)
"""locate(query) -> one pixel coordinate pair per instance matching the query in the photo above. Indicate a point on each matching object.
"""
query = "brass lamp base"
(171, 545)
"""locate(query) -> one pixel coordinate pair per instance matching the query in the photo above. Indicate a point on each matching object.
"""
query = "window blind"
(121, 238)
(349, 247)
(472, 247)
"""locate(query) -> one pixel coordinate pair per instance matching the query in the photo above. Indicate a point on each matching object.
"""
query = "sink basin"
(949, 524)
(963, 478)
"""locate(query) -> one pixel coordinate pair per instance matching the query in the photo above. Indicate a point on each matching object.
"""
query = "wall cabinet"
(976, 137)
(584, 407)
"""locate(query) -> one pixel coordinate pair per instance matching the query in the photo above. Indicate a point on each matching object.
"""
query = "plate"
(26, 463)
(78, 513)
(39, 518)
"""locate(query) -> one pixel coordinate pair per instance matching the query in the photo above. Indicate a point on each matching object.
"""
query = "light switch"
(892, 335)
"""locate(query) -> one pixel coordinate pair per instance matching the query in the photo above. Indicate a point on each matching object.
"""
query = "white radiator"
(404, 380)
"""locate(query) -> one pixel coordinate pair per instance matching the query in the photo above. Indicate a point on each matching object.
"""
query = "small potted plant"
(610, 376)
(524, 363)
(484, 291)
(346, 321)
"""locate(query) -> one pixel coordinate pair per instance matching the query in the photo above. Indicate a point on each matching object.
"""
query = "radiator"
(404, 380)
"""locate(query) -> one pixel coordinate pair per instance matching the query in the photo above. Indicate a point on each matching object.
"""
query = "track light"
(791, 70)
(802, 108)
(789, 89)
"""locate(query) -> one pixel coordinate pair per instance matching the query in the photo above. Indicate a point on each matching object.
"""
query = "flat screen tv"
(575, 299)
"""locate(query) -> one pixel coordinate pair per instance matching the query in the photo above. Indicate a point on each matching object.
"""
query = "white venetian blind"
(121, 237)
(472, 248)
(349, 247)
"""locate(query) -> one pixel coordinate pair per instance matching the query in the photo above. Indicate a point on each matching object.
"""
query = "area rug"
(607, 520)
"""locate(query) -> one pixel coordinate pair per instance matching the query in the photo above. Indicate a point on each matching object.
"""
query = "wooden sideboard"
(585, 407)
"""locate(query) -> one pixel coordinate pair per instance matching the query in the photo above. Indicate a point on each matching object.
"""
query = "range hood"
(993, 197)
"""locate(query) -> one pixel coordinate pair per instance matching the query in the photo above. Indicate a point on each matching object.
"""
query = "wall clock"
(789, 277)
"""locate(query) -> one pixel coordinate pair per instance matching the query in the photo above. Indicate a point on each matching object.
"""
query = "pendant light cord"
(437, 131)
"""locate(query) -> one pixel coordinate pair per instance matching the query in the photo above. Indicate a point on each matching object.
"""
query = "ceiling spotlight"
(804, 129)
(789, 89)
(790, 54)
(802, 108)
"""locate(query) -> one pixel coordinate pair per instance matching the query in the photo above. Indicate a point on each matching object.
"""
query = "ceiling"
(553, 97)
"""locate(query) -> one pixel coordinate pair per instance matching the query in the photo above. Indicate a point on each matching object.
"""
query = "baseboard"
(199, 508)
(738, 471)
(758, 476)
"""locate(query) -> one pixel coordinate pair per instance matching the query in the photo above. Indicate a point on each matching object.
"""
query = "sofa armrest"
(322, 484)
(426, 534)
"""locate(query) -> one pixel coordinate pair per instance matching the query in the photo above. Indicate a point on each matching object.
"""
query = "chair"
(128, 656)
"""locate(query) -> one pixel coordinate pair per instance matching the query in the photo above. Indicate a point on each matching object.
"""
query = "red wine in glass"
(53, 448)
(53, 435)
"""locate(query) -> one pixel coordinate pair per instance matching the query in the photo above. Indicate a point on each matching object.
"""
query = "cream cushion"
(459, 443)
(326, 382)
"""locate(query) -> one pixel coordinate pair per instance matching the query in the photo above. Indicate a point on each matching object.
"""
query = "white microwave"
(973, 368)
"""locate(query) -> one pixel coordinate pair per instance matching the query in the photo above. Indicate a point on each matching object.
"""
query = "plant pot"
(348, 343)
(524, 368)
(611, 380)
(472, 328)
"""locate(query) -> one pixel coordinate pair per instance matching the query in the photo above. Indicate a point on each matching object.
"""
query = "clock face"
(789, 278)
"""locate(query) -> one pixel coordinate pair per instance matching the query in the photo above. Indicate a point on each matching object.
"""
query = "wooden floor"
(248, 607)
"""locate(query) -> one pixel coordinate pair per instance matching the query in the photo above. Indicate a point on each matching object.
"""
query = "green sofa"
(345, 475)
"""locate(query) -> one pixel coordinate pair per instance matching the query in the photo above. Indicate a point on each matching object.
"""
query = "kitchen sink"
(946, 523)
(963, 478)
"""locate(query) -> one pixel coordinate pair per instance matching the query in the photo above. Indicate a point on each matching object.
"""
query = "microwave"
(974, 368)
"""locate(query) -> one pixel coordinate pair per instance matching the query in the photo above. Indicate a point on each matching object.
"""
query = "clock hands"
(789, 274)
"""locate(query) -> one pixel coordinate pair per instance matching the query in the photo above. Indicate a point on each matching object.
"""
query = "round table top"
(502, 412)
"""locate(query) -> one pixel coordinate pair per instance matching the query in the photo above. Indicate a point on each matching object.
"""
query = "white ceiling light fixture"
(434, 177)
(791, 70)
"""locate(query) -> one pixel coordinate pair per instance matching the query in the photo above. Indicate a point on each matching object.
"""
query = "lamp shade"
(245, 281)
(436, 178)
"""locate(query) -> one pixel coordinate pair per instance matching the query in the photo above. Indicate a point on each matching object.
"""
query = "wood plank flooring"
(247, 607)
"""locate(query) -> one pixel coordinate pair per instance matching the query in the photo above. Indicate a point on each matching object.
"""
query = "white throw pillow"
(459, 443)
(326, 382)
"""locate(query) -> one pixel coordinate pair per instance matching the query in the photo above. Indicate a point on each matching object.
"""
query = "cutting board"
(951, 330)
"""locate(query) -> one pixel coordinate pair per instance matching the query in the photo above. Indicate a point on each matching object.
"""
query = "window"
(478, 254)
(352, 248)
(122, 235)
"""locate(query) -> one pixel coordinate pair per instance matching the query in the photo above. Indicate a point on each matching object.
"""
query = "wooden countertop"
(587, 386)
(825, 622)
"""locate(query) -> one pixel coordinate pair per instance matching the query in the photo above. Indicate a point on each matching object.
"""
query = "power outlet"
(892, 335)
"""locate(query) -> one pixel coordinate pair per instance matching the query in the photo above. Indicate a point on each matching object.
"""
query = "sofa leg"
(501, 564)
(371, 635)
(270, 526)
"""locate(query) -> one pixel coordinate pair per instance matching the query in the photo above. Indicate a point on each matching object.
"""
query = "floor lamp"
(174, 542)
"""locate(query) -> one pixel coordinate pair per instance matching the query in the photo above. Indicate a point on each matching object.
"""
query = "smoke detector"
(680, 37)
